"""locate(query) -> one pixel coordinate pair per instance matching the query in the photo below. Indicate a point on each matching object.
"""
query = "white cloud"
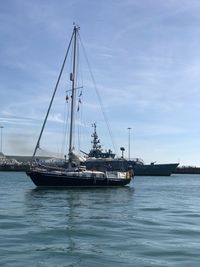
(145, 58)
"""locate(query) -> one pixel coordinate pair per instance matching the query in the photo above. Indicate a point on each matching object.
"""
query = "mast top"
(76, 26)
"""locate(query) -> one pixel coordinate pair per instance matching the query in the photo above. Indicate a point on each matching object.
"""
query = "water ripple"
(154, 222)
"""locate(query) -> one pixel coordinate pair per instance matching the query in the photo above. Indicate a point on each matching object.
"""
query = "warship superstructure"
(96, 159)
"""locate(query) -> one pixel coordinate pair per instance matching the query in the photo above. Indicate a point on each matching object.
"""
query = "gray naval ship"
(96, 159)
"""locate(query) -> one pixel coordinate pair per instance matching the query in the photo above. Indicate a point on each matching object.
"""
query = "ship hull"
(139, 169)
(155, 169)
(62, 180)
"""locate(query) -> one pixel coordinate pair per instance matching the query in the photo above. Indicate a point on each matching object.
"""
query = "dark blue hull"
(53, 180)
(155, 169)
(139, 169)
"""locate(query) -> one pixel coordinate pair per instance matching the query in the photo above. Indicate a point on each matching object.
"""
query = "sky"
(144, 55)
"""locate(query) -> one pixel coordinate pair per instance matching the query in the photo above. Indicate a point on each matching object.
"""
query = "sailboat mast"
(73, 80)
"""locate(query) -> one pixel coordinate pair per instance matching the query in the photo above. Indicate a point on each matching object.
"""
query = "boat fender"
(129, 174)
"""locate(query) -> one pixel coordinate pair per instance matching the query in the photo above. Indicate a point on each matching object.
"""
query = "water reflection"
(71, 195)
(76, 220)
(75, 202)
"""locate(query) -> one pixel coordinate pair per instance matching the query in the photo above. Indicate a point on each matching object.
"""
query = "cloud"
(144, 57)
(56, 118)
(17, 121)
(160, 13)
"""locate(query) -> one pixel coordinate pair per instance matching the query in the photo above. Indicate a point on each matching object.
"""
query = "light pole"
(1, 127)
(129, 143)
(122, 150)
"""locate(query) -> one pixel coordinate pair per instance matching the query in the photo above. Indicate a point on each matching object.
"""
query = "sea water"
(155, 221)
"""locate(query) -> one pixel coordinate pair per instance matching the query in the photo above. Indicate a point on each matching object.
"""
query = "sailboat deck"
(116, 174)
(83, 173)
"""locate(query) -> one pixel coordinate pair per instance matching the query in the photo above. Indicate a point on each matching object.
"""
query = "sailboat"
(74, 174)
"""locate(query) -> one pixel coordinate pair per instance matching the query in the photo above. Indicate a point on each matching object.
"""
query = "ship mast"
(73, 80)
(95, 141)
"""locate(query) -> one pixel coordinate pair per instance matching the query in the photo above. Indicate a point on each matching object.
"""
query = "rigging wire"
(98, 95)
(79, 90)
(49, 108)
(65, 129)
(80, 97)
(46, 153)
(78, 104)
